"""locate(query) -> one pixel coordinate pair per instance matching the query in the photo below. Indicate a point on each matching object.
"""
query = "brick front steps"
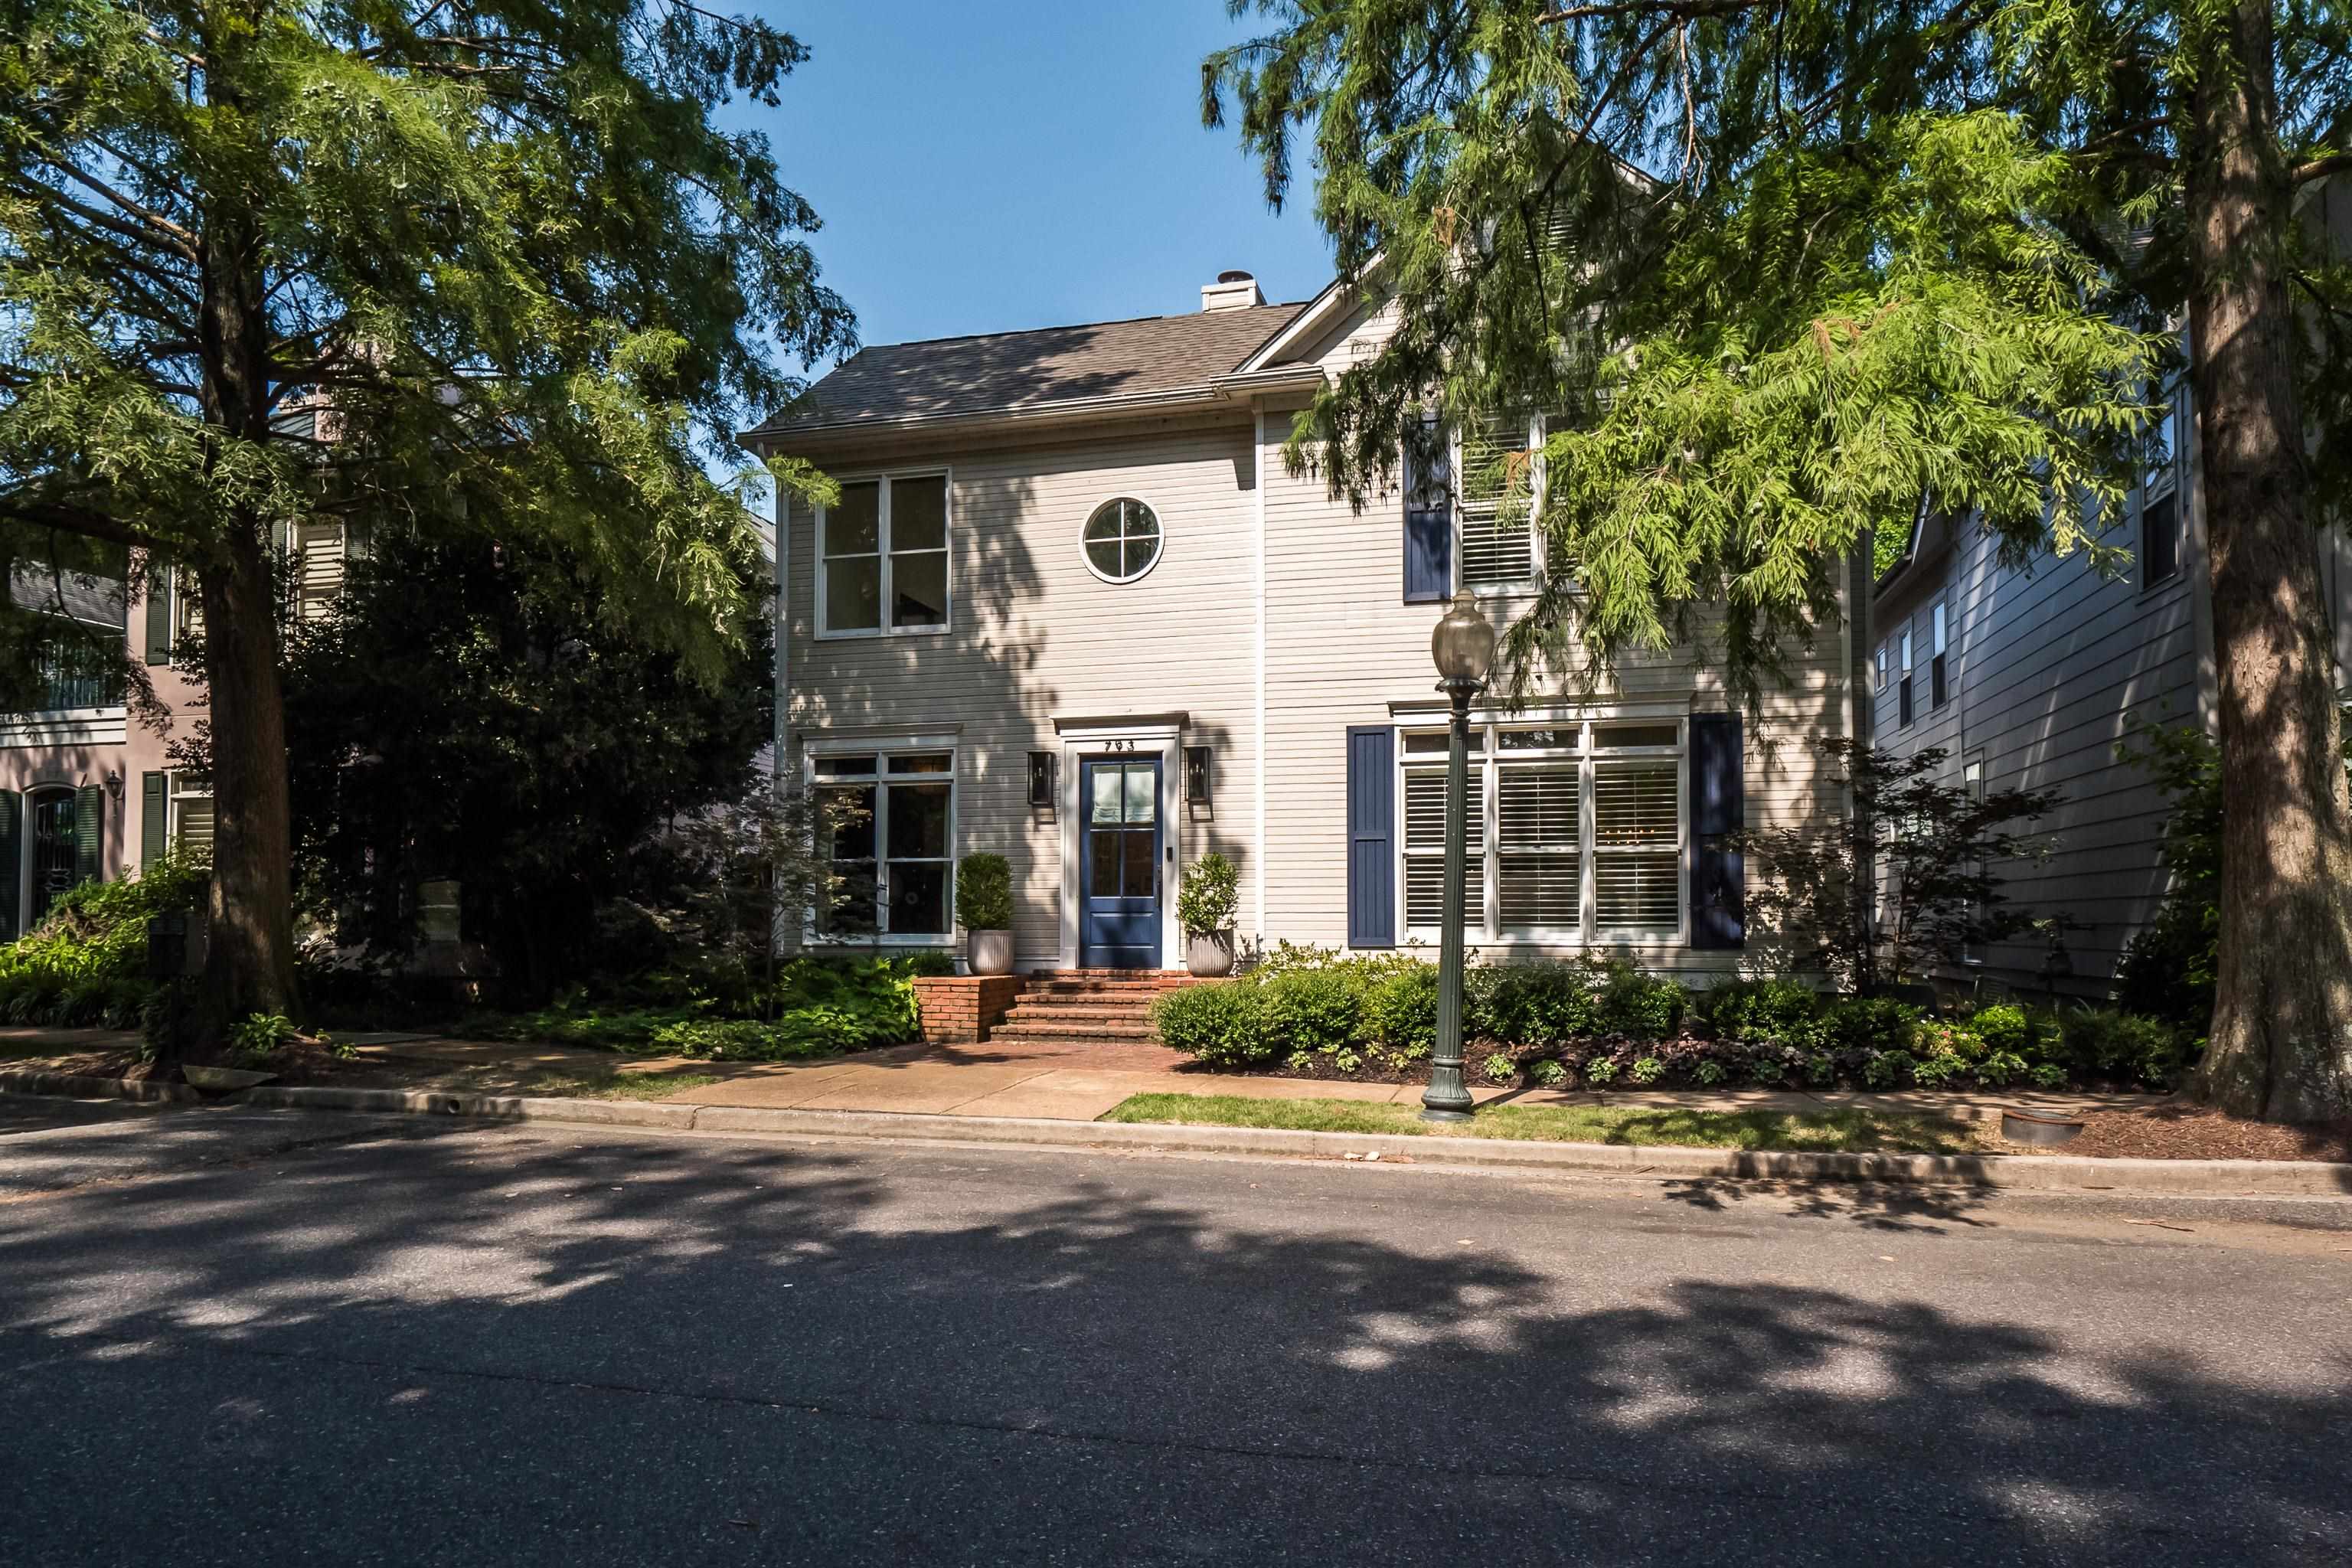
(1109, 1005)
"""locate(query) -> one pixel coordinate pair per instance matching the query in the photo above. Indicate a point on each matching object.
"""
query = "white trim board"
(1080, 743)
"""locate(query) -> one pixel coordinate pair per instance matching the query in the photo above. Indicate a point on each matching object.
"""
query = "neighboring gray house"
(1071, 608)
(2033, 678)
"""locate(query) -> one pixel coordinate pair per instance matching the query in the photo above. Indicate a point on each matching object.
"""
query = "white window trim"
(176, 794)
(885, 478)
(882, 751)
(1158, 516)
(1483, 894)
(1516, 585)
(1126, 742)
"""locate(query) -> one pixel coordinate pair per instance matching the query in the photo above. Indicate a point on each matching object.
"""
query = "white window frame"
(881, 751)
(1938, 650)
(1158, 517)
(885, 480)
(2158, 484)
(1461, 510)
(1483, 892)
(177, 793)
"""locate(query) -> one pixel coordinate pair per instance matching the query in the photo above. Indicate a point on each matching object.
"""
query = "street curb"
(2014, 1173)
(14, 1080)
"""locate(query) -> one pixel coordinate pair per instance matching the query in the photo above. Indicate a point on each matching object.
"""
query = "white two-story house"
(1071, 607)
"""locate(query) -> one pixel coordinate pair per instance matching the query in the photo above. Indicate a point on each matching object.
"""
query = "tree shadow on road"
(460, 1343)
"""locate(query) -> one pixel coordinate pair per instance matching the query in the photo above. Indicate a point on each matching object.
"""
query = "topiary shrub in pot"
(983, 900)
(1205, 902)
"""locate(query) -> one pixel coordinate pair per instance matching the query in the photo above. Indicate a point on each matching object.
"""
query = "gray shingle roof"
(1006, 372)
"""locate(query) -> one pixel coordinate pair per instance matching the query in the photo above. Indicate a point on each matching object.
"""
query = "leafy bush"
(816, 1007)
(2003, 1028)
(1290, 958)
(1710, 1071)
(85, 965)
(1888, 1070)
(2102, 1042)
(983, 892)
(1499, 1069)
(1548, 1074)
(1871, 1023)
(1782, 1012)
(251, 1039)
(1638, 1006)
(1600, 1071)
(1208, 895)
(1646, 1070)
(1531, 1004)
(1401, 1010)
(1312, 1009)
(1223, 1024)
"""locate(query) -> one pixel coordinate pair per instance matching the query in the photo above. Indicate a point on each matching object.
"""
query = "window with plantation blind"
(1498, 469)
(1576, 830)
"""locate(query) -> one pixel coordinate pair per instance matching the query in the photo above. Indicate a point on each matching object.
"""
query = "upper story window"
(2159, 505)
(1937, 688)
(882, 557)
(1122, 539)
(1902, 680)
(1470, 501)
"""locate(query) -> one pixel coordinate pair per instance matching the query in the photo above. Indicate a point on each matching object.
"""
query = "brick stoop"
(963, 1008)
(1112, 1006)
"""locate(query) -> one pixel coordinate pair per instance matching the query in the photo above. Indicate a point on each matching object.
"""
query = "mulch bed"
(2195, 1132)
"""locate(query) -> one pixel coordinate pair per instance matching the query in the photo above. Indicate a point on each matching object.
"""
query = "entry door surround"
(1086, 741)
(1122, 861)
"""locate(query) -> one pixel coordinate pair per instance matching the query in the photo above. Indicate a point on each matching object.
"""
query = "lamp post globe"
(1463, 646)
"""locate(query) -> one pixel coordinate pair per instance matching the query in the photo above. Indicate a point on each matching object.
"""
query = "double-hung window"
(882, 557)
(1902, 685)
(1576, 831)
(190, 825)
(1936, 688)
(885, 835)
(1497, 466)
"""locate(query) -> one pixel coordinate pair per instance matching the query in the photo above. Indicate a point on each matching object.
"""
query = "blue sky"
(998, 165)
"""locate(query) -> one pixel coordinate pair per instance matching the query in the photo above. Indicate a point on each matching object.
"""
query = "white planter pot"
(991, 952)
(1209, 955)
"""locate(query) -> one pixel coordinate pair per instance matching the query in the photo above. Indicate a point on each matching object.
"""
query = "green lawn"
(615, 1086)
(1825, 1131)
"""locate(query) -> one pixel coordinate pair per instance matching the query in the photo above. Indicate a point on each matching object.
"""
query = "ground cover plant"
(814, 1008)
(1599, 1023)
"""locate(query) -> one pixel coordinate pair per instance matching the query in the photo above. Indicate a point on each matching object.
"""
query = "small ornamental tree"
(983, 892)
(1206, 898)
(1939, 853)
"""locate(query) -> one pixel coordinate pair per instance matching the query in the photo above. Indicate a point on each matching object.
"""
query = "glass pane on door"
(1142, 802)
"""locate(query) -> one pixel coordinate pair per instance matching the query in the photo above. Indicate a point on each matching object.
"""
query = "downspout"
(1258, 868)
(1861, 578)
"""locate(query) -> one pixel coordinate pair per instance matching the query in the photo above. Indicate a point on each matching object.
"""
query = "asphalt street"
(239, 1337)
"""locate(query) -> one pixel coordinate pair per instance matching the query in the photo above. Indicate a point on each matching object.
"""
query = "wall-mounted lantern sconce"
(1196, 776)
(1041, 780)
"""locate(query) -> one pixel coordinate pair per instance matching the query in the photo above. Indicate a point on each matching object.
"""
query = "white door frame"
(1123, 741)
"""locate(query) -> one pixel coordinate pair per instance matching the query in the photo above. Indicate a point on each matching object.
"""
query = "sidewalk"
(1081, 1080)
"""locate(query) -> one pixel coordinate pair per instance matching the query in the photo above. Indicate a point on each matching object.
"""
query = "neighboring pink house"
(86, 792)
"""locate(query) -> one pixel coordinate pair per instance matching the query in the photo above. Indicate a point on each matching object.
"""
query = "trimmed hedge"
(1608, 1024)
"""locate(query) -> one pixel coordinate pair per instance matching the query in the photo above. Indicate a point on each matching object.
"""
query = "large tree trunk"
(2282, 1035)
(249, 965)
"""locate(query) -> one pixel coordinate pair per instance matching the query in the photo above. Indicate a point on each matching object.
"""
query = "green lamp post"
(1464, 646)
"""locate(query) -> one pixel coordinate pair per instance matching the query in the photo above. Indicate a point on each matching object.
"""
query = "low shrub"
(1312, 1009)
(1223, 1024)
(2003, 1028)
(816, 1006)
(85, 965)
(1548, 1074)
(1780, 1011)
(2101, 1043)
(1400, 1011)
(1639, 1006)
(1532, 1004)
(1870, 1024)
(1499, 1069)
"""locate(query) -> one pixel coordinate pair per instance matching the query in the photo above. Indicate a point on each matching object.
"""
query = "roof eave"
(1042, 416)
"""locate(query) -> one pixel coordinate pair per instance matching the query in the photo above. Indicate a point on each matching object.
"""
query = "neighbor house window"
(882, 557)
(1936, 690)
(1122, 541)
(1902, 685)
(1576, 831)
(2159, 510)
(191, 821)
(886, 831)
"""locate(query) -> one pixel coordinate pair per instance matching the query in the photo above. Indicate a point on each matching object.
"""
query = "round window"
(1122, 541)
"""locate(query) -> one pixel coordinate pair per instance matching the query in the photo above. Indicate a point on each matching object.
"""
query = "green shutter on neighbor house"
(159, 618)
(12, 859)
(153, 819)
(89, 864)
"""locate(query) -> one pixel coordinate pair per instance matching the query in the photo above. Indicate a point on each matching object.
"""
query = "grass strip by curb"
(1838, 1131)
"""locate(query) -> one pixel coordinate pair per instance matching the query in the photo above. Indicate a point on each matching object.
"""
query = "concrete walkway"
(1080, 1080)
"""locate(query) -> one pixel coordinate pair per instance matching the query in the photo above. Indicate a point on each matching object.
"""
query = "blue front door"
(1118, 927)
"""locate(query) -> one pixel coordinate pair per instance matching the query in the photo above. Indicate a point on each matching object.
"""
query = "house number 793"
(1118, 745)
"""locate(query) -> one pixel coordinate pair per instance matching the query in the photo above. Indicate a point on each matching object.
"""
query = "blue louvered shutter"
(1371, 835)
(1718, 794)
(1428, 525)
